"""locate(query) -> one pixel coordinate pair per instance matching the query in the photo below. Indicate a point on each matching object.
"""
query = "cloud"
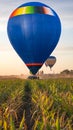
(68, 48)
(65, 48)
(3, 23)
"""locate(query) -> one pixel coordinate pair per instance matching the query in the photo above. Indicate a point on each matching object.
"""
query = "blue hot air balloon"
(34, 30)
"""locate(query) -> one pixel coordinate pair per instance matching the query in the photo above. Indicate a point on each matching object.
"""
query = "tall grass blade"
(57, 124)
(12, 126)
(21, 123)
(5, 125)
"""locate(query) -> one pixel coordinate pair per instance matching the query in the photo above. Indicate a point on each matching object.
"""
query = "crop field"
(36, 104)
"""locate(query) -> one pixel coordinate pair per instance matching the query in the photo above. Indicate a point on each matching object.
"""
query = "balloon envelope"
(50, 61)
(34, 30)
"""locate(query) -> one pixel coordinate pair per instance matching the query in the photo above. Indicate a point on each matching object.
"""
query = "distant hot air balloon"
(50, 61)
(34, 30)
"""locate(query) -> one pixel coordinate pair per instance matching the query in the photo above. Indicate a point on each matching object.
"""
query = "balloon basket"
(33, 77)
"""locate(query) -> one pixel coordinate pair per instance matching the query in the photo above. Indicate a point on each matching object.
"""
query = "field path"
(28, 105)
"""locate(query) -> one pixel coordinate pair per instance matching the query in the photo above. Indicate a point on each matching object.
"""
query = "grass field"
(36, 104)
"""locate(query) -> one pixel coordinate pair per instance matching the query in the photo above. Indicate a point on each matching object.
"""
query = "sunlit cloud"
(3, 27)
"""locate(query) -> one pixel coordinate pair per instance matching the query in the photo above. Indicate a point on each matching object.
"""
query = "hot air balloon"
(34, 30)
(50, 61)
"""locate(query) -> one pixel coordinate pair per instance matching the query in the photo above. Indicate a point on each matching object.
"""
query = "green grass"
(46, 104)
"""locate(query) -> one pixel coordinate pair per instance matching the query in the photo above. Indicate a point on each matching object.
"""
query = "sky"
(11, 63)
